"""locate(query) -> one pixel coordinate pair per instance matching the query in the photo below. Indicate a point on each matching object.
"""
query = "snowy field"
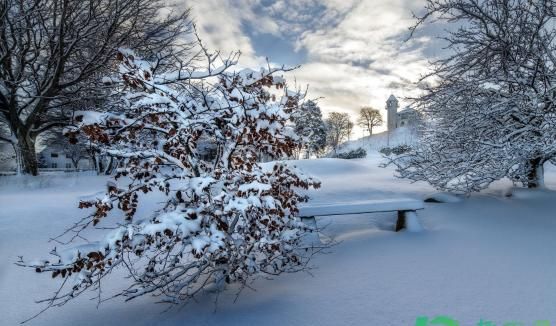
(487, 257)
(374, 143)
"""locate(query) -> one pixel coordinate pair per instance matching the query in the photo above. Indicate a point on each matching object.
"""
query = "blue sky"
(351, 52)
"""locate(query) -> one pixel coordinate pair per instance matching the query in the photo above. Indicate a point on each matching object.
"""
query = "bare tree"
(350, 126)
(369, 118)
(53, 54)
(338, 129)
(490, 105)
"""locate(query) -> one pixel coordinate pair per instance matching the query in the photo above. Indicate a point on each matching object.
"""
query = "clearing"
(486, 257)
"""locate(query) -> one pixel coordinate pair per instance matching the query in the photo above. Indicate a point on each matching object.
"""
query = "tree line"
(320, 135)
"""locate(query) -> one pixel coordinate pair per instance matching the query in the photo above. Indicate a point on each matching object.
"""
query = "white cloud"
(219, 23)
(362, 59)
(354, 49)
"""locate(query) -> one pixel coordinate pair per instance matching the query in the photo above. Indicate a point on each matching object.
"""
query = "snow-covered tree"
(490, 104)
(310, 127)
(51, 53)
(369, 118)
(338, 129)
(225, 219)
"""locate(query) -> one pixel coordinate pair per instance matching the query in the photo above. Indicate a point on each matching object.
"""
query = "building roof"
(392, 98)
(407, 109)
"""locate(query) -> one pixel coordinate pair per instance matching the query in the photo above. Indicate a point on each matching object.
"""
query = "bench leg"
(309, 221)
(311, 238)
(400, 222)
(408, 220)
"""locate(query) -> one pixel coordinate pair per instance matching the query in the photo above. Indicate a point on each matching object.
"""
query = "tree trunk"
(94, 162)
(18, 164)
(109, 167)
(27, 155)
(100, 165)
(75, 164)
(535, 177)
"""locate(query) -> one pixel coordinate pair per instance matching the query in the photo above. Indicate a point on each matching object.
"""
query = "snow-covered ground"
(374, 143)
(487, 257)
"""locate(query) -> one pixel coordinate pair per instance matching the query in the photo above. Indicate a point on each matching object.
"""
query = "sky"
(351, 53)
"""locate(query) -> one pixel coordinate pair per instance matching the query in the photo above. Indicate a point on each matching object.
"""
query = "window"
(54, 165)
(53, 154)
(68, 166)
(68, 155)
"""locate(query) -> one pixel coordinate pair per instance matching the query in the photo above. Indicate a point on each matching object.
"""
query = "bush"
(227, 220)
(386, 151)
(357, 153)
(398, 150)
(401, 149)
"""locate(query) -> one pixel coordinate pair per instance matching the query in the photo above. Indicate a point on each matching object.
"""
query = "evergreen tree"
(310, 127)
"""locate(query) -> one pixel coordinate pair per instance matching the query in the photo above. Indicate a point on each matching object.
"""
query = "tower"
(392, 108)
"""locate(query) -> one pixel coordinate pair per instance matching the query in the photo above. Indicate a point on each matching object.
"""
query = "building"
(408, 117)
(58, 158)
(392, 109)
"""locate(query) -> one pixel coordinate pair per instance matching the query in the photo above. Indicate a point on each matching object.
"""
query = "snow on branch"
(490, 104)
(224, 218)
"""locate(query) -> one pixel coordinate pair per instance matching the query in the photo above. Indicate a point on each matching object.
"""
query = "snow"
(68, 256)
(412, 222)
(381, 205)
(486, 257)
(173, 221)
(399, 136)
(256, 186)
(91, 117)
(442, 197)
(524, 193)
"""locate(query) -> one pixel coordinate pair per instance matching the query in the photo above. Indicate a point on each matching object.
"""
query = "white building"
(50, 158)
(55, 157)
(407, 117)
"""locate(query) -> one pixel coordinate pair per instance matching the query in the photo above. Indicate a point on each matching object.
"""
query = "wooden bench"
(406, 208)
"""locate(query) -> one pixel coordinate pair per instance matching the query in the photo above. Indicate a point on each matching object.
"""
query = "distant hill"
(400, 136)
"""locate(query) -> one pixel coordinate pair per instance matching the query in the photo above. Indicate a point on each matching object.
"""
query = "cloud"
(352, 51)
(363, 58)
(220, 23)
(231, 25)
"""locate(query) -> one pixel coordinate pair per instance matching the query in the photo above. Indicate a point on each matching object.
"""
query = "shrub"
(357, 153)
(397, 150)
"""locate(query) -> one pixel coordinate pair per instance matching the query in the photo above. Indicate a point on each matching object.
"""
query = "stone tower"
(392, 108)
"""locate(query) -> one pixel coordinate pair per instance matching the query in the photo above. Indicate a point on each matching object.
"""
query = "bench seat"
(406, 208)
(361, 207)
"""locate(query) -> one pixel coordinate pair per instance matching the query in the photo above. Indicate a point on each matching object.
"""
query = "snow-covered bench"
(406, 208)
